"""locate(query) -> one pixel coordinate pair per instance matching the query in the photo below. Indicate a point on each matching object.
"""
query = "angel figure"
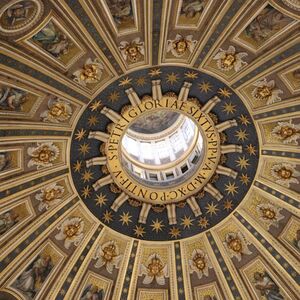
(269, 214)
(132, 51)
(154, 269)
(266, 91)
(49, 196)
(90, 73)
(108, 255)
(236, 245)
(70, 231)
(58, 111)
(230, 59)
(287, 132)
(199, 263)
(181, 45)
(285, 174)
(43, 155)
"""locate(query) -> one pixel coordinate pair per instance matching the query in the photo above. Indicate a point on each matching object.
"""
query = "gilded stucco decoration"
(77, 221)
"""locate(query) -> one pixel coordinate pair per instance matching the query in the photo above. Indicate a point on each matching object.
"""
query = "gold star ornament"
(174, 232)
(157, 225)
(205, 87)
(101, 200)
(125, 218)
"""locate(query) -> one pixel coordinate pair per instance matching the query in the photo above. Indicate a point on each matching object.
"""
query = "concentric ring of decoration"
(164, 195)
(96, 145)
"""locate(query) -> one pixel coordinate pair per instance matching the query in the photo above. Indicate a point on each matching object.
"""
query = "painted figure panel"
(16, 101)
(34, 276)
(10, 162)
(122, 13)
(56, 42)
(18, 14)
(95, 287)
(12, 99)
(92, 292)
(266, 287)
(268, 23)
(8, 220)
(190, 12)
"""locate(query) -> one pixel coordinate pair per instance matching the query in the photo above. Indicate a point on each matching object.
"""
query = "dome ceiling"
(74, 75)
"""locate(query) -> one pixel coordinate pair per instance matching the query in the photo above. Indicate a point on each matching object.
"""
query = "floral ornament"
(49, 196)
(199, 263)
(236, 245)
(180, 45)
(265, 91)
(285, 174)
(108, 255)
(58, 111)
(154, 269)
(229, 59)
(90, 73)
(132, 51)
(269, 214)
(43, 155)
(71, 231)
(287, 132)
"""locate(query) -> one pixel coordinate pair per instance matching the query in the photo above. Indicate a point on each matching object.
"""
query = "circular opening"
(162, 148)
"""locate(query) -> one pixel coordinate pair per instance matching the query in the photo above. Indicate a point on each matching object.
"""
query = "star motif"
(231, 188)
(100, 200)
(84, 148)
(79, 135)
(107, 217)
(203, 222)
(224, 92)
(174, 232)
(92, 120)
(125, 218)
(172, 78)
(86, 192)
(87, 176)
(212, 208)
(154, 72)
(125, 81)
(228, 205)
(251, 149)
(157, 225)
(187, 222)
(245, 179)
(241, 135)
(191, 75)
(244, 120)
(96, 105)
(77, 166)
(229, 108)
(204, 87)
(139, 231)
(114, 96)
(242, 162)
(141, 81)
